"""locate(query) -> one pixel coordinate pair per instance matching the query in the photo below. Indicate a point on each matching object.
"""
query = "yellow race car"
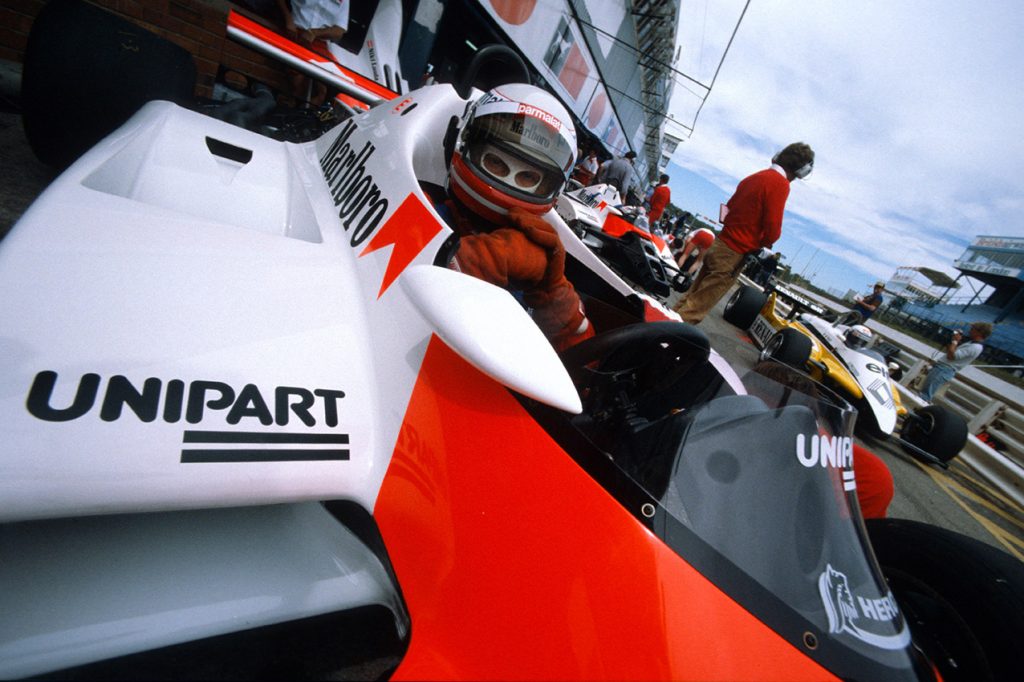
(837, 352)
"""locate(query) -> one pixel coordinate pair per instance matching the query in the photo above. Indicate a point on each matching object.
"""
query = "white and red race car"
(621, 238)
(246, 412)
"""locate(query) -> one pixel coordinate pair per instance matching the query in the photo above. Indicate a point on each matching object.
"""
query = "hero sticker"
(859, 616)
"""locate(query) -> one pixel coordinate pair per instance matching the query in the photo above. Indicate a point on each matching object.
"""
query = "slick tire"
(86, 71)
(681, 283)
(789, 347)
(963, 599)
(743, 306)
(937, 431)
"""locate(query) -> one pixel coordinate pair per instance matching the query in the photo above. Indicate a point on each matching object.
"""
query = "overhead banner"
(553, 45)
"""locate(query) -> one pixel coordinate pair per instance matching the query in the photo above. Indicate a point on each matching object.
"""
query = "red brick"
(207, 52)
(29, 7)
(15, 21)
(181, 10)
(130, 10)
(12, 55)
(197, 33)
(215, 22)
(233, 49)
(153, 16)
(174, 25)
(13, 39)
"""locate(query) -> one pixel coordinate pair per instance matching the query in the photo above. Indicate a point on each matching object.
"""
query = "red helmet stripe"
(482, 198)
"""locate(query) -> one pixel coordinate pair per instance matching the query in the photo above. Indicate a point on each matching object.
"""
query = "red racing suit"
(525, 255)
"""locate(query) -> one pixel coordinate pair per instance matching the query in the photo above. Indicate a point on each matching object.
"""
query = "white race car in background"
(836, 352)
(620, 235)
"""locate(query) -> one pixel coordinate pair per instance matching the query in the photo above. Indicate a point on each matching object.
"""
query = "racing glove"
(528, 256)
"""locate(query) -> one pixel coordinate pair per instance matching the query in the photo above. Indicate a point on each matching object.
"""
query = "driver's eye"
(495, 166)
(528, 178)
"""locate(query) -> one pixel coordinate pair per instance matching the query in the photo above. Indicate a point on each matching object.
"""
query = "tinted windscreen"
(766, 479)
(750, 480)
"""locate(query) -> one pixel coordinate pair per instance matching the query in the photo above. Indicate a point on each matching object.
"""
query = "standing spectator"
(309, 21)
(767, 265)
(954, 356)
(586, 169)
(659, 199)
(753, 221)
(866, 305)
(681, 226)
(618, 173)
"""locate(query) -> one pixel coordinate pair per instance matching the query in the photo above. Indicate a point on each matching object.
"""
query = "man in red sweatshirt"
(753, 220)
(659, 200)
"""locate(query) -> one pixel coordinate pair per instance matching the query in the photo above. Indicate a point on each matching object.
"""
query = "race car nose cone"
(485, 325)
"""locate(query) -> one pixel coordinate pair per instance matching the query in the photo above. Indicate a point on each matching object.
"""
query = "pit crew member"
(753, 221)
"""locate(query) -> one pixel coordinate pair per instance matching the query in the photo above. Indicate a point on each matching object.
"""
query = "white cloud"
(911, 108)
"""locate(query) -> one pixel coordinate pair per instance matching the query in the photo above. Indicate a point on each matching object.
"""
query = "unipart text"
(831, 451)
(173, 399)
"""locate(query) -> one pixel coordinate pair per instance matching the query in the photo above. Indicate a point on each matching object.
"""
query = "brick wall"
(199, 26)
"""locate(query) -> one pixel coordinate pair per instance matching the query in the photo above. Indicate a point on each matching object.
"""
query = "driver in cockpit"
(857, 337)
(515, 150)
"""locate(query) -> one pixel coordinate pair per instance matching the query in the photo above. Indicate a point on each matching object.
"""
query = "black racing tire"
(936, 430)
(789, 347)
(681, 283)
(743, 306)
(105, 65)
(963, 599)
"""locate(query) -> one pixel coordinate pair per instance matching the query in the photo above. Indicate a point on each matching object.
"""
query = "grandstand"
(992, 268)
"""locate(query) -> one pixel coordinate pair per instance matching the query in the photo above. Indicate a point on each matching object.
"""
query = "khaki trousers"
(719, 273)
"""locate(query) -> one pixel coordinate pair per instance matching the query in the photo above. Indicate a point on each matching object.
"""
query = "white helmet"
(858, 336)
(517, 147)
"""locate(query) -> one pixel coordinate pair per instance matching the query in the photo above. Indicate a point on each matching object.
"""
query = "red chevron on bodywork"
(408, 230)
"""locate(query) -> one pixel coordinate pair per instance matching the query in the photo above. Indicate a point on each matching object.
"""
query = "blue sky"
(913, 109)
(691, 192)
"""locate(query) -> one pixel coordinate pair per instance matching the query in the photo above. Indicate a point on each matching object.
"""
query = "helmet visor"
(521, 174)
(530, 136)
(856, 339)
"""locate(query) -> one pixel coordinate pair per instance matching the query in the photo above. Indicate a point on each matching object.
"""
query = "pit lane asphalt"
(952, 499)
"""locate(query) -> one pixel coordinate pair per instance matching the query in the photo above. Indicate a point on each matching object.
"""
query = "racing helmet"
(516, 147)
(858, 336)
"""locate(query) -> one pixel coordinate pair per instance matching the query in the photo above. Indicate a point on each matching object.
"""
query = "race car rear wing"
(798, 303)
(356, 91)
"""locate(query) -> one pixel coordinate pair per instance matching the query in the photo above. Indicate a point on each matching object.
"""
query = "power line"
(720, 62)
(643, 54)
(648, 58)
